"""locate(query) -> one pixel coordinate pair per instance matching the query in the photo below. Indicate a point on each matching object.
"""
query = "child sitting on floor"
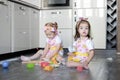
(83, 46)
(53, 50)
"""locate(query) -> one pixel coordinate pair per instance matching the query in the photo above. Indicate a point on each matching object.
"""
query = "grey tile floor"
(104, 66)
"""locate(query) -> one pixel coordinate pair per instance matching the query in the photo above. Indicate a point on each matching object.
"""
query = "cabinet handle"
(59, 12)
(23, 32)
(53, 12)
(59, 31)
(56, 12)
(3, 3)
(34, 12)
(75, 13)
(74, 4)
(75, 19)
(21, 8)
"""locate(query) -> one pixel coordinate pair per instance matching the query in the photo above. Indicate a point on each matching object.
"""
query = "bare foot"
(24, 58)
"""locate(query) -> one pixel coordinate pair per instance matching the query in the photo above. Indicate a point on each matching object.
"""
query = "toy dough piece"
(79, 68)
(30, 65)
(44, 64)
(48, 68)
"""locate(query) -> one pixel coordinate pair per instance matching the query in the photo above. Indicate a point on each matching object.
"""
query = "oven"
(56, 4)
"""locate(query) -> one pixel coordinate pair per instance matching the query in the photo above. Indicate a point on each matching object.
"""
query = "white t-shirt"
(53, 42)
(89, 44)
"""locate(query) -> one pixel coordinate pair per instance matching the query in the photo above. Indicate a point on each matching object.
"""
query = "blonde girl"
(53, 49)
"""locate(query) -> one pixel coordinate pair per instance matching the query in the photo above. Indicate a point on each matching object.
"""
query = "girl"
(83, 45)
(53, 49)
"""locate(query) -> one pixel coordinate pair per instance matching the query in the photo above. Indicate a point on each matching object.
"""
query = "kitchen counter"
(25, 3)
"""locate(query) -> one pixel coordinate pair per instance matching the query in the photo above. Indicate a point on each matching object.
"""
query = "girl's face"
(50, 34)
(83, 29)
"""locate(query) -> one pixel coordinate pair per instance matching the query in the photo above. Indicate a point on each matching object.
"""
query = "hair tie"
(49, 28)
(82, 18)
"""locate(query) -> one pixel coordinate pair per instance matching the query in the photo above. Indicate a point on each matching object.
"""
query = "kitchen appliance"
(56, 4)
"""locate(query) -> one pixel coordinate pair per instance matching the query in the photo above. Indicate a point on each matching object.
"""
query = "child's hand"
(42, 57)
(45, 59)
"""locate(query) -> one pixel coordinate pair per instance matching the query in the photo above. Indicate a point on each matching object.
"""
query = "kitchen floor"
(104, 66)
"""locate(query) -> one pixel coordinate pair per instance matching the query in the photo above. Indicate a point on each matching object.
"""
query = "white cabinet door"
(4, 27)
(34, 28)
(42, 39)
(62, 17)
(97, 19)
(66, 36)
(20, 30)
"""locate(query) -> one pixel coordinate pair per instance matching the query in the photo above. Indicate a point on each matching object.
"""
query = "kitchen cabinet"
(66, 36)
(25, 27)
(64, 19)
(4, 27)
(34, 28)
(20, 27)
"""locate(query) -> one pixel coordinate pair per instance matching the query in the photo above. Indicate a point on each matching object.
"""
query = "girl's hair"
(77, 35)
(53, 25)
